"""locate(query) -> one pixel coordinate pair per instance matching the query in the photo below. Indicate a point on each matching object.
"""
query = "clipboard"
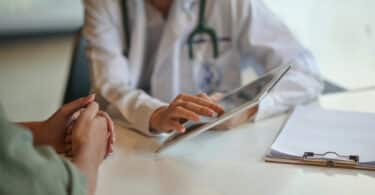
(315, 159)
(310, 137)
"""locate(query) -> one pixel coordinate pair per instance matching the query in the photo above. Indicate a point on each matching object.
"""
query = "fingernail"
(183, 130)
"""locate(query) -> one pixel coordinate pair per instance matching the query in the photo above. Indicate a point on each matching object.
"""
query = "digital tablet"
(234, 102)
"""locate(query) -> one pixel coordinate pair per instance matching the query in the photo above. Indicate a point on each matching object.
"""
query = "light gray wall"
(17, 16)
(341, 34)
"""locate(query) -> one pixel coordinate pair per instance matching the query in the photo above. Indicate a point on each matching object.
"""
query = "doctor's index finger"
(182, 113)
(203, 102)
(196, 108)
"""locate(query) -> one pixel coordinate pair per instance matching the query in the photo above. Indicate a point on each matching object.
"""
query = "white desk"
(225, 163)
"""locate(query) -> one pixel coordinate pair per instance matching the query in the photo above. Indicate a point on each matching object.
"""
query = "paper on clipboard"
(314, 129)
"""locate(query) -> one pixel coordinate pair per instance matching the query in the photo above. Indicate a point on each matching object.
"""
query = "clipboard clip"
(331, 159)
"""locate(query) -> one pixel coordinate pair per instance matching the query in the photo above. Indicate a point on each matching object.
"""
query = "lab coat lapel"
(138, 38)
(167, 68)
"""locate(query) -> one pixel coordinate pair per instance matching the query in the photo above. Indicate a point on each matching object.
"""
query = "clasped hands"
(79, 126)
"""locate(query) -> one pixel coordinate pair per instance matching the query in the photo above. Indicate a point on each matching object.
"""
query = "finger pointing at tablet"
(183, 107)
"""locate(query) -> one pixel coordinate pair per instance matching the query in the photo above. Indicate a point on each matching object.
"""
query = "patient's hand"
(52, 131)
(89, 143)
(110, 131)
(55, 127)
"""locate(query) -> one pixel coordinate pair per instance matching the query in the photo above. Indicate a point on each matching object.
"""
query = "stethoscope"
(200, 29)
(208, 76)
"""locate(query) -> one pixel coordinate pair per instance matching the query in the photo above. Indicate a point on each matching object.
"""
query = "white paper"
(313, 129)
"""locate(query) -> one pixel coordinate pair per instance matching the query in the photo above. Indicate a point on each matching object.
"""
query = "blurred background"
(37, 42)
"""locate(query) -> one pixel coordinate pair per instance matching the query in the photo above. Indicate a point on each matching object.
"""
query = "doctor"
(145, 58)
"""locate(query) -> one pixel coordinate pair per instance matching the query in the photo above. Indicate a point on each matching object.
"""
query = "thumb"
(71, 107)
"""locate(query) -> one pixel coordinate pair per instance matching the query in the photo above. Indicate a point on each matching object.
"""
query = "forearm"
(134, 105)
(90, 170)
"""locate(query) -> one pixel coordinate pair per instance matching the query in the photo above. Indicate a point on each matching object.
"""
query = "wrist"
(84, 152)
(84, 162)
(37, 129)
(89, 170)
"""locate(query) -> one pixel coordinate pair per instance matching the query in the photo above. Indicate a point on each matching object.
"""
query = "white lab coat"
(255, 34)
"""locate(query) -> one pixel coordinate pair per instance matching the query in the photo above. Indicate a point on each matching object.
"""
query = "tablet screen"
(245, 94)
(237, 98)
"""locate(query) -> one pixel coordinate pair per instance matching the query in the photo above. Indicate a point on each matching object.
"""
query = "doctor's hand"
(236, 120)
(184, 107)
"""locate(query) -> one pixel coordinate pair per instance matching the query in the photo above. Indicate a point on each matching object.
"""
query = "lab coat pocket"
(220, 74)
(205, 73)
